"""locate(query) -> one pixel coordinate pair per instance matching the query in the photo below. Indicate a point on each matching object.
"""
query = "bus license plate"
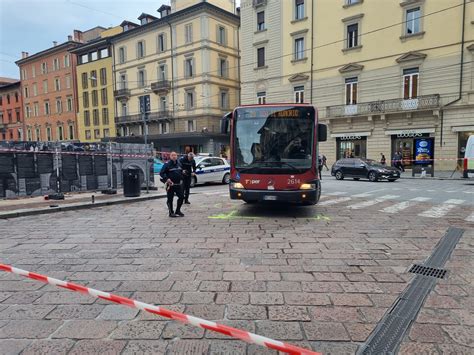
(269, 198)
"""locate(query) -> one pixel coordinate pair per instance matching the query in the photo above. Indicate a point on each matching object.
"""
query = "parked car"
(211, 169)
(363, 168)
(157, 165)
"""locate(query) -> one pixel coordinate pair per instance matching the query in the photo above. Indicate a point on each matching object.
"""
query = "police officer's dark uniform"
(189, 167)
(173, 171)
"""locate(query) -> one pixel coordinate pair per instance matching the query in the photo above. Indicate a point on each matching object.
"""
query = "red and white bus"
(274, 153)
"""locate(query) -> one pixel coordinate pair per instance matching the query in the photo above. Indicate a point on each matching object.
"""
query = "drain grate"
(428, 271)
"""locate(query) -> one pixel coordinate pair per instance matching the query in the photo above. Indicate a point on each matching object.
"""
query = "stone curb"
(77, 206)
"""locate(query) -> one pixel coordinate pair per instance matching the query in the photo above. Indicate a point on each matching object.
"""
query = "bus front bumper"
(294, 196)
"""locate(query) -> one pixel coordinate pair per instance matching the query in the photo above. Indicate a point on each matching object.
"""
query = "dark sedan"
(363, 168)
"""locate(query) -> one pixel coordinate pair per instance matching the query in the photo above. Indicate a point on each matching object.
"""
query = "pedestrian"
(320, 166)
(325, 162)
(400, 161)
(188, 164)
(382, 159)
(172, 175)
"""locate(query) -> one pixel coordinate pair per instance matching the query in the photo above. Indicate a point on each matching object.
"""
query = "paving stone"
(13, 346)
(75, 312)
(185, 286)
(288, 313)
(209, 276)
(358, 277)
(50, 346)
(335, 314)
(297, 276)
(206, 311)
(386, 277)
(383, 300)
(20, 285)
(326, 331)
(157, 298)
(163, 286)
(454, 349)
(307, 299)
(238, 276)
(248, 286)
(64, 297)
(198, 297)
(253, 349)
(25, 312)
(268, 276)
(225, 347)
(270, 298)
(23, 297)
(284, 286)
(280, 330)
(232, 297)
(341, 299)
(465, 316)
(427, 333)
(218, 286)
(460, 334)
(85, 329)
(188, 347)
(436, 316)
(235, 311)
(419, 348)
(359, 332)
(4, 296)
(372, 314)
(97, 347)
(182, 331)
(135, 330)
(329, 276)
(118, 312)
(323, 287)
(334, 348)
(29, 329)
(145, 347)
(361, 287)
(436, 301)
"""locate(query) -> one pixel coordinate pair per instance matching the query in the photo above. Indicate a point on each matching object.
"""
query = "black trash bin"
(131, 182)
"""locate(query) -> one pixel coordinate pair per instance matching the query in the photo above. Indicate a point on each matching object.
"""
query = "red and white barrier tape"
(177, 316)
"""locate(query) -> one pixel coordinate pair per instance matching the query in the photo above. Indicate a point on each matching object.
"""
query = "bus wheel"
(339, 175)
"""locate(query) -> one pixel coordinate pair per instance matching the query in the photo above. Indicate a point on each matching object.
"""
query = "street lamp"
(144, 108)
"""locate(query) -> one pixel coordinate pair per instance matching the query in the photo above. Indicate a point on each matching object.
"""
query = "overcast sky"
(32, 25)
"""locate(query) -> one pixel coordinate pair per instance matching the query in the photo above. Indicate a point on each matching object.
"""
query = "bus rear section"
(274, 154)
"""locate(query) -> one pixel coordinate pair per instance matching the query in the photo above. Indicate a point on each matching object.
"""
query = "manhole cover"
(428, 271)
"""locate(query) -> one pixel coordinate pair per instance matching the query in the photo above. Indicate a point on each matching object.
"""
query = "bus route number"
(294, 181)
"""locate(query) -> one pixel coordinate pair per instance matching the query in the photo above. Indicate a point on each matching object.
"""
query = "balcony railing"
(385, 106)
(161, 86)
(122, 94)
(150, 117)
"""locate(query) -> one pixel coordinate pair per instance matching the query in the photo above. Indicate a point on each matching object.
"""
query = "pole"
(145, 134)
(111, 185)
(58, 185)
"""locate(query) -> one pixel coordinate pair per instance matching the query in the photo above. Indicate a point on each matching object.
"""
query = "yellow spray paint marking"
(230, 215)
(320, 217)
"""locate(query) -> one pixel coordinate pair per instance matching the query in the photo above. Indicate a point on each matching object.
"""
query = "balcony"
(122, 94)
(427, 102)
(162, 86)
(151, 117)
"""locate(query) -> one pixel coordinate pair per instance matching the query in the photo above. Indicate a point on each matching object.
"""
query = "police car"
(211, 169)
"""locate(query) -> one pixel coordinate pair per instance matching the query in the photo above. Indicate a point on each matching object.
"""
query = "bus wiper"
(242, 170)
(281, 162)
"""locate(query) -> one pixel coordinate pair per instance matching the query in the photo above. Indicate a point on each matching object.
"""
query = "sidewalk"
(38, 205)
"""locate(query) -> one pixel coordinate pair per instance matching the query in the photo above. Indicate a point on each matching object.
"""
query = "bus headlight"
(237, 185)
(307, 186)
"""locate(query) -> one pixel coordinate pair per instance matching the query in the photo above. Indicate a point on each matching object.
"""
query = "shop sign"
(424, 151)
(409, 134)
(350, 138)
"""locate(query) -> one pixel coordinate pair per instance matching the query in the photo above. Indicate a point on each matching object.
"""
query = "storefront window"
(403, 144)
(351, 147)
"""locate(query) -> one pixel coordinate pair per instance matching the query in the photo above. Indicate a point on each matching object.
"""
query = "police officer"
(172, 176)
(189, 169)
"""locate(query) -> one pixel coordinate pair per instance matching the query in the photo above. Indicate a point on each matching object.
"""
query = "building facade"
(95, 89)
(48, 85)
(381, 83)
(180, 72)
(11, 113)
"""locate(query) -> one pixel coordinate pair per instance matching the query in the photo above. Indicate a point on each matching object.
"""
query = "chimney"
(24, 55)
(69, 38)
(78, 36)
(55, 43)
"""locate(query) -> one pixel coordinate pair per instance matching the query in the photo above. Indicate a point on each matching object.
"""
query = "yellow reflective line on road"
(231, 215)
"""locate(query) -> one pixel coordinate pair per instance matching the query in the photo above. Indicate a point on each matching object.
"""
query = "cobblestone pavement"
(320, 277)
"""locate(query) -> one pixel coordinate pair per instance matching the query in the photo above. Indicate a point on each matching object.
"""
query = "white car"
(211, 169)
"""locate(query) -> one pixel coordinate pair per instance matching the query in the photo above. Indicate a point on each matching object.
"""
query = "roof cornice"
(48, 51)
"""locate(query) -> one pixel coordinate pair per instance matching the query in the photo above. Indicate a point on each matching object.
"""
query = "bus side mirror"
(322, 132)
(225, 123)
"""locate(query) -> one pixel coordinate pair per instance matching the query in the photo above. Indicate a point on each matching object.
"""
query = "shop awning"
(391, 132)
(351, 134)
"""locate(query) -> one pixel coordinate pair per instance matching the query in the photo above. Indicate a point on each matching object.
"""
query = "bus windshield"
(272, 137)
